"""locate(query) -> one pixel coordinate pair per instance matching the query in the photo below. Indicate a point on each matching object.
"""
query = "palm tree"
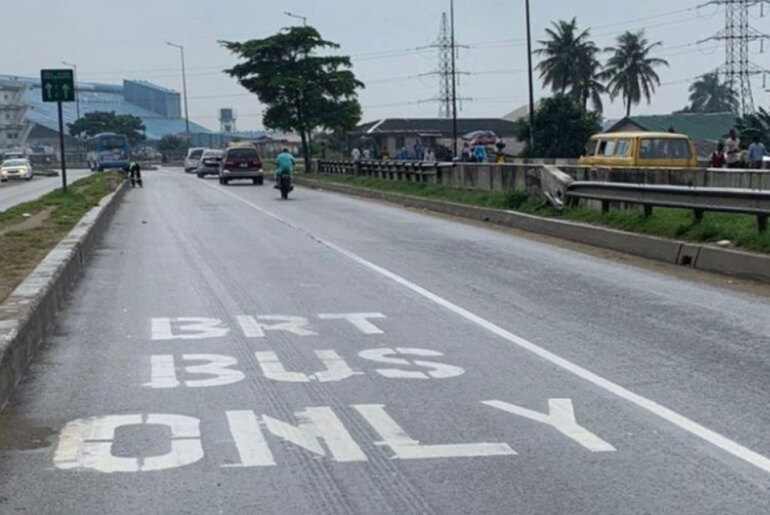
(560, 51)
(709, 95)
(587, 83)
(630, 71)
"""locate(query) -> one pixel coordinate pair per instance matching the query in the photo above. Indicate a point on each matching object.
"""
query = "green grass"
(22, 247)
(741, 230)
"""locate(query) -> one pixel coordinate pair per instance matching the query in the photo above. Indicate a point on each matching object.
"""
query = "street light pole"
(292, 15)
(77, 93)
(454, 82)
(531, 84)
(184, 88)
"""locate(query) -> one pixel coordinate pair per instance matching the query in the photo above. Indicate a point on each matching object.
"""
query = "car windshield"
(242, 153)
(196, 154)
(15, 162)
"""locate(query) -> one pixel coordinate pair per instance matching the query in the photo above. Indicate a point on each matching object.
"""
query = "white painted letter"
(218, 366)
(359, 320)
(162, 372)
(196, 328)
(337, 368)
(87, 444)
(314, 426)
(436, 370)
(406, 448)
(561, 417)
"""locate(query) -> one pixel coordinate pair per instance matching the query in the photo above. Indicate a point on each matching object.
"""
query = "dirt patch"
(31, 222)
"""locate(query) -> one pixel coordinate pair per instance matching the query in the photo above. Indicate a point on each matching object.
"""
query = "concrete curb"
(28, 313)
(703, 257)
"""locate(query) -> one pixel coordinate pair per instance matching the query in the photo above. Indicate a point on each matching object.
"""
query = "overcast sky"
(114, 39)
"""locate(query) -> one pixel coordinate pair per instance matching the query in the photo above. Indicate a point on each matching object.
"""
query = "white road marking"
(189, 328)
(561, 417)
(255, 327)
(217, 365)
(406, 448)
(437, 370)
(684, 423)
(359, 320)
(337, 368)
(162, 372)
(87, 444)
(314, 425)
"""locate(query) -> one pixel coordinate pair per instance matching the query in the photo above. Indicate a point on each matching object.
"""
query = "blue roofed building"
(158, 107)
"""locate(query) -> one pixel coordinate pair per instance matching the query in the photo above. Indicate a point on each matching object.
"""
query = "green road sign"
(57, 85)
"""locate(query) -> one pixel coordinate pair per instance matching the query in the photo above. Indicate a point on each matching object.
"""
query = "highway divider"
(703, 257)
(29, 312)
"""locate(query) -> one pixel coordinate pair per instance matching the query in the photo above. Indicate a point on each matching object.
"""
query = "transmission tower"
(444, 72)
(738, 34)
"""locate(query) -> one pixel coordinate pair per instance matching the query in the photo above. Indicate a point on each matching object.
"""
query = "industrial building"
(26, 122)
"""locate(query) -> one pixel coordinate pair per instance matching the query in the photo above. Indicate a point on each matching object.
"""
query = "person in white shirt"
(733, 150)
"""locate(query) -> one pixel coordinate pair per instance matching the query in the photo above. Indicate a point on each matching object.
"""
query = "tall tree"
(102, 121)
(302, 90)
(710, 95)
(570, 63)
(752, 125)
(630, 71)
(562, 128)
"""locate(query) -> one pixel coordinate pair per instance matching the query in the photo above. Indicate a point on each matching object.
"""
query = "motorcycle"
(284, 184)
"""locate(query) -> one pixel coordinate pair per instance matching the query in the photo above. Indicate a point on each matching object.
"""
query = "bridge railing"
(412, 171)
(699, 200)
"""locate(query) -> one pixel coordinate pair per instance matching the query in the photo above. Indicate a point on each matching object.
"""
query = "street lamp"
(184, 87)
(292, 15)
(77, 94)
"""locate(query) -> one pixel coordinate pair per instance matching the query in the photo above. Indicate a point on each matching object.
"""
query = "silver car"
(192, 159)
(16, 169)
(209, 163)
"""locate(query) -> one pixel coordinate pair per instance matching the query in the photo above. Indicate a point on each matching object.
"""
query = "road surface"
(228, 352)
(17, 192)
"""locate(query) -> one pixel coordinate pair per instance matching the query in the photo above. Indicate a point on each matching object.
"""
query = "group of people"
(730, 155)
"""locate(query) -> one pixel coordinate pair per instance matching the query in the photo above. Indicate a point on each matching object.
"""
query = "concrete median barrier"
(703, 257)
(29, 312)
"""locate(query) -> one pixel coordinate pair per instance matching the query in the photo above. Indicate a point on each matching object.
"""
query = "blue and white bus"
(108, 150)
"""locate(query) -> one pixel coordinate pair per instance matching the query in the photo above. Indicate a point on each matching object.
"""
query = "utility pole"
(531, 82)
(454, 81)
(737, 35)
(77, 95)
(184, 88)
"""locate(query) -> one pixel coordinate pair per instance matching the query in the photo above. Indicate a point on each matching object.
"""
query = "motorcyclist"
(285, 162)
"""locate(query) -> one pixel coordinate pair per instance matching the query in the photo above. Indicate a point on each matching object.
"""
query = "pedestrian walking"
(733, 150)
(418, 152)
(718, 157)
(480, 153)
(465, 155)
(757, 153)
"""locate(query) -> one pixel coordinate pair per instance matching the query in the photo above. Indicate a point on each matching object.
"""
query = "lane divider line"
(690, 426)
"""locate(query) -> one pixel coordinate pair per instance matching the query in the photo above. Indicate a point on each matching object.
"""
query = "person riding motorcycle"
(285, 162)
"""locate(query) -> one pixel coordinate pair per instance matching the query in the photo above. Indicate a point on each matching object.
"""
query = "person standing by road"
(135, 174)
(757, 153)
(480, 153)
(733, 150)
(718, 157)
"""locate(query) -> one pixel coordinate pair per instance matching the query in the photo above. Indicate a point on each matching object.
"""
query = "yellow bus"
(640, 149)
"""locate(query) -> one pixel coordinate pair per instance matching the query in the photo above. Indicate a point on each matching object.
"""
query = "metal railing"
(413, 171)
(699, 200)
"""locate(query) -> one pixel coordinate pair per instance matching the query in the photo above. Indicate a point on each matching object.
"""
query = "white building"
(14, 127)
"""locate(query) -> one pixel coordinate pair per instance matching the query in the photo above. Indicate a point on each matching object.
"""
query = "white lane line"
(692, 427)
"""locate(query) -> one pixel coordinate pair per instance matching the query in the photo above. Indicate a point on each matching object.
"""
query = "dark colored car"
(209, 163)
(241, 162)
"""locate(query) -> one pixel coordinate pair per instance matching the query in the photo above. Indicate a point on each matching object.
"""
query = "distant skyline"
(109, 42)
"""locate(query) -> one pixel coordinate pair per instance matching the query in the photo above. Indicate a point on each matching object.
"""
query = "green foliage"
(753, 125)
(630, 71)
(302, 91)
(101, 121)
(709, 95)
(562, 128)
(172, 144)
(570, 64)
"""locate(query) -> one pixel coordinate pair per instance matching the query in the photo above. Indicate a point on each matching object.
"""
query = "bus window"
(622, 148)
(607, 148)
(590, 149)
(665, 149)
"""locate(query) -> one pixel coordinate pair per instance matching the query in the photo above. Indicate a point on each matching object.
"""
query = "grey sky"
(113, 39)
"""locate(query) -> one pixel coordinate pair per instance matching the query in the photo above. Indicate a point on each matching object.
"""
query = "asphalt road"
(17, 192)
(228, 352)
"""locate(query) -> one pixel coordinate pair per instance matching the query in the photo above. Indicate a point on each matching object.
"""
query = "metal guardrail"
(700, 200)
(414, 171)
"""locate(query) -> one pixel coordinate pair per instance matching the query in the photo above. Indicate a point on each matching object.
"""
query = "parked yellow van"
(641, 149)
